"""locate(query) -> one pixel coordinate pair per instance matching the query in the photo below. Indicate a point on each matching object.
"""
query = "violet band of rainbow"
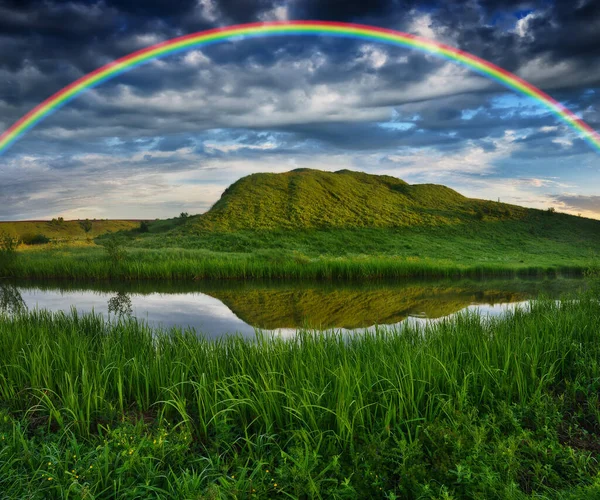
(293, 28)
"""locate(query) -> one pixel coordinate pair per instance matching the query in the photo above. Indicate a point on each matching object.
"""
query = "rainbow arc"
(293, 28)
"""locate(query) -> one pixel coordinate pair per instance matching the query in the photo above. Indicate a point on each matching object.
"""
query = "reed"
(181, 264)
(463, 408)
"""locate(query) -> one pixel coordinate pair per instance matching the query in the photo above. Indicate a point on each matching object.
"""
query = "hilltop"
(308, 199)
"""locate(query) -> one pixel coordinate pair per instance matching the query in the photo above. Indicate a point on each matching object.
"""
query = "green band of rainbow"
(368, 33)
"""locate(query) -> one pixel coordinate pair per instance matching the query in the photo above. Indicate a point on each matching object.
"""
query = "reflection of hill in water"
(272, 305)
(272, 309)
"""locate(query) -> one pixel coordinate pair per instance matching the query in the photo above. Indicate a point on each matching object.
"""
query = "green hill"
(308, 199)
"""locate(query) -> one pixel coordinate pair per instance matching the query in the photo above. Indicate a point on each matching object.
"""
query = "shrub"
(86, 225)
(8, 250)
(551, 211)
(34, 239)
(116, 251)
(144, 227)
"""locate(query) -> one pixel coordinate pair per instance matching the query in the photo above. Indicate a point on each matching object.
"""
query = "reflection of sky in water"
(205, 314)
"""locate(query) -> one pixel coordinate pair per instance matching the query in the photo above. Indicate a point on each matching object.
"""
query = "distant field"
(66, 230)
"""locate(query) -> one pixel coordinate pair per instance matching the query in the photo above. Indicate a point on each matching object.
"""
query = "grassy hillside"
(322, 225)
(306, 198)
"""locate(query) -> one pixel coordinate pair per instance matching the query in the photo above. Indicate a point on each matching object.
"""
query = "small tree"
(116, 251)
(144, 227)
(184, 215)
(86, 225)
(8, 250)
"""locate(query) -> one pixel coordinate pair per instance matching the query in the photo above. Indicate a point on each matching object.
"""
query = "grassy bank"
(465, 409)
(92, 262)
(167, 252)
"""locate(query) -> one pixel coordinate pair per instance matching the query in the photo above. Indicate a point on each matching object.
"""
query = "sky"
(170, 136)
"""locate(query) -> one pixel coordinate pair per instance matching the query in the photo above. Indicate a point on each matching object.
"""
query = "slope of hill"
(308, 199)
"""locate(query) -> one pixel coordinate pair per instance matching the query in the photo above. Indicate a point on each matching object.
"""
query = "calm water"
(216, 309)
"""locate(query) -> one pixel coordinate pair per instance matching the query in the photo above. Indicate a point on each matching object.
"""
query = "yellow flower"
(91, 466)
(49, 479)
(275, 485)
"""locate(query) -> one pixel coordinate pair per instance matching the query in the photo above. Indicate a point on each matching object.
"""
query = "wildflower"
(49, 479)
(275, 485)
(91, 466)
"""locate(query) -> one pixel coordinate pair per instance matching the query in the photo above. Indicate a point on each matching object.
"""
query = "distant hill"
(66, 229)
(306, 198)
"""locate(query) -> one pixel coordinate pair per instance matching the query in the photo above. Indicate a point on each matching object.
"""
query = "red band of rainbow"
(364, 32)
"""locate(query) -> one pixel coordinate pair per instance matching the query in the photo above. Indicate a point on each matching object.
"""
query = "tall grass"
(179, 264)
(297, 404)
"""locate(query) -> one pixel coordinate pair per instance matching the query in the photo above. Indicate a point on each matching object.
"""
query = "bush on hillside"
(86, 225)
(34, 239)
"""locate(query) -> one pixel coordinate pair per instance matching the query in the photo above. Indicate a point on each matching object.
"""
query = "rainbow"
(244, 31)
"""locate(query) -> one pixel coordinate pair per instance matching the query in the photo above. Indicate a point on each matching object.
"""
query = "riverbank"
(464, 409)
(91, 262)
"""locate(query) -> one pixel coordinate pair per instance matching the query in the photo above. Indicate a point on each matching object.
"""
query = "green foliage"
(115, 249)
(8, 251)
(505, 408)
(144, 227)
(86, 225)
(184, 215)
(11, 301)
(34, 239)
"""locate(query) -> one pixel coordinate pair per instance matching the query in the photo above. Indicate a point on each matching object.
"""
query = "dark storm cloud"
(48, 44)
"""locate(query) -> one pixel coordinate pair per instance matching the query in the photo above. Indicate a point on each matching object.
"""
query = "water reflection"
(120, 304)
(216, 309)
(11, 300)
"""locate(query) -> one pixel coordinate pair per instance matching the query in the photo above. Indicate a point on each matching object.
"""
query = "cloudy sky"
(170, 136)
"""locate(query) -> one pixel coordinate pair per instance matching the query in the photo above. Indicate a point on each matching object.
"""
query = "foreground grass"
(506, 408)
